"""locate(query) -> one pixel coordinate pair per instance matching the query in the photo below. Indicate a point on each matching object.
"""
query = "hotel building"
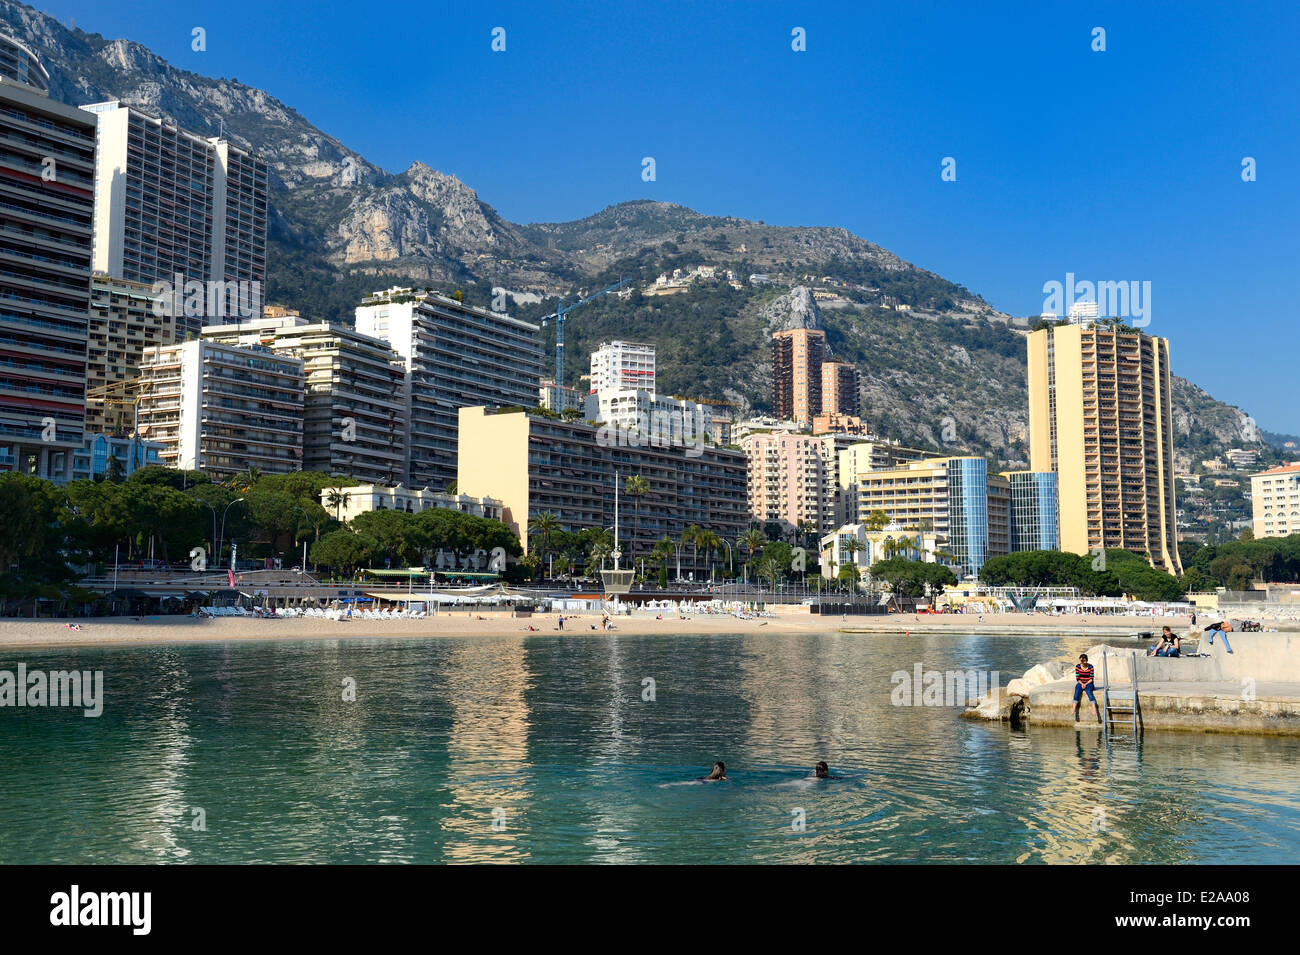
(1101, 418)
(968, 509)
(861, 456)
(170, 202)
(797, 356)
(534, 465)
(222, 409)
(794, 478)
(354, 415)
(47, 203)
(1275, 501)
(455, 356)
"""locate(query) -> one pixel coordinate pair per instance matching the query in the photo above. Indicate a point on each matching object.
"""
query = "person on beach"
(719, 773)
(1083, 683)
(561, 621)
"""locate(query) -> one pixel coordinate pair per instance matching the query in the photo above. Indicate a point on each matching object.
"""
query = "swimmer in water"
(719, 773)
(822, 771)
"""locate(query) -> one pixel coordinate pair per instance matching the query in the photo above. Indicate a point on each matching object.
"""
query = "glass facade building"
(1034, 511)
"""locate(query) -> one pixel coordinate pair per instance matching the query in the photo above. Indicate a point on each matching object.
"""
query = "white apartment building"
(623, 366)
(455, 356)
(1275, 501)
(222, 409)
(171, 203)
(355, 415)
(676, 420)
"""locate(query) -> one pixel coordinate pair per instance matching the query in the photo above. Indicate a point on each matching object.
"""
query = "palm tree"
(662, 551)
(754, 541)
(336, 499)
(544, 525)
(692, 536)
(852, 545)
(636, 487)
(877, 521)
(710, 543)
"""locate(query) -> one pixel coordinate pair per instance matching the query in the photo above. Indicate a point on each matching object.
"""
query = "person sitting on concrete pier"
(1173, 644)
(1158, 648)
(1083, 677)
(1222, 628)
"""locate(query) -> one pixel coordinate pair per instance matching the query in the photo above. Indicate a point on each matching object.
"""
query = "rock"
(999, 705)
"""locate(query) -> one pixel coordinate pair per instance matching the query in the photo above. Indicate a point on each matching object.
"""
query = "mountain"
(940, 366)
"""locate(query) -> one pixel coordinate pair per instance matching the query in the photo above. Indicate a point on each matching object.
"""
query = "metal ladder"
(1120, 707)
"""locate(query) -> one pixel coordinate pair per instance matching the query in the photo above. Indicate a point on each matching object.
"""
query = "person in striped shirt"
(1083, 683)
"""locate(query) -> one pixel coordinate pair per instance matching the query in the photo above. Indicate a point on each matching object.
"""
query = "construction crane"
(560, 314)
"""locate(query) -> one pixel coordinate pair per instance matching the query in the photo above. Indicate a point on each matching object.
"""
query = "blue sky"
(1117, 165)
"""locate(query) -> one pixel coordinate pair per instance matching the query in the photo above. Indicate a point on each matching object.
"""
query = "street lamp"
(213, 541)
(221, 541)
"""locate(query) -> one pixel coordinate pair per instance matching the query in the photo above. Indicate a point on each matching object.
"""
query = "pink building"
(793, 478)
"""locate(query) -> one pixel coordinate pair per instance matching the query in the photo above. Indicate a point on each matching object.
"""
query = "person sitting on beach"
(719, 773)
(1083, 677)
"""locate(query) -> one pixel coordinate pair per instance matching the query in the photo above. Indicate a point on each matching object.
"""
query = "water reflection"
(547, 749)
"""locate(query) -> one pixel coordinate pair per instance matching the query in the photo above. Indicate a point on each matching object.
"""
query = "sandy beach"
(98, 631)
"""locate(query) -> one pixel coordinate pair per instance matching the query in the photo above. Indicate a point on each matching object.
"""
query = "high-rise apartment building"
(861, 456)
(455, 356)
(1275, 501)
(1101, 418)
(840, 389)
(223, 409)
(1033, 510)
(171, 203)
(47, 201)
(797, 357)
(123, 323)
(535, 465)
(18, 64)
(623, 366)
(354, 414)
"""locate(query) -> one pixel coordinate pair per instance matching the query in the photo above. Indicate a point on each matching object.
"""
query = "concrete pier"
(1255, 689)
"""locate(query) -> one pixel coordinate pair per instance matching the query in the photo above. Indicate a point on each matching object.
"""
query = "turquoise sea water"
(542, 749)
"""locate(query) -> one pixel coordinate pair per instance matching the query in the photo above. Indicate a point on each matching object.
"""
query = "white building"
(854, 544)
(456, 356)
(170, 202)
(555, 397)
(222, 409)
(1275, 501)
(678, 420)
(345, 503)
(623, 366)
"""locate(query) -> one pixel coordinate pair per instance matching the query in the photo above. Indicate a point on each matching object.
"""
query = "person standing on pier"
(1083, 683)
